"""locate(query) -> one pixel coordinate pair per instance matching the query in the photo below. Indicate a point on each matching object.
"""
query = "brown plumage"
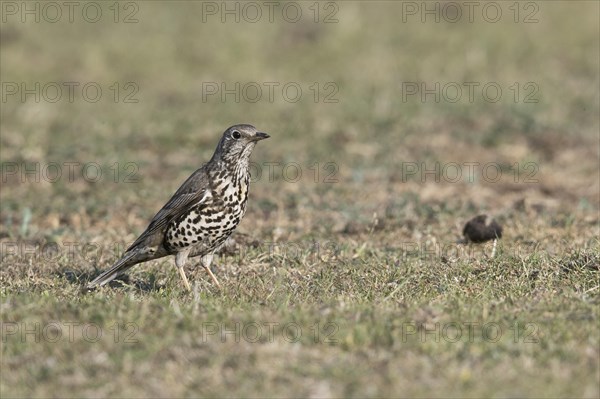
(202, 213)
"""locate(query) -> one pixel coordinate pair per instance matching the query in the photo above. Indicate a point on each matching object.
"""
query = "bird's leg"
(184, 278)
(206, 261)
(494, 247)
(180, 260)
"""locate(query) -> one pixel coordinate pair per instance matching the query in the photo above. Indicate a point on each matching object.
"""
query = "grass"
(344, 281)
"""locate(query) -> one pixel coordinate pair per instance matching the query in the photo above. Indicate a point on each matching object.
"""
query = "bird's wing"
(193, 191)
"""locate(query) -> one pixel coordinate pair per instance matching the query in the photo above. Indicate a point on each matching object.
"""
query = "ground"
(390, 128)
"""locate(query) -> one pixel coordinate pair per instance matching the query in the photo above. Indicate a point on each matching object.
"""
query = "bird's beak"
(260, 136)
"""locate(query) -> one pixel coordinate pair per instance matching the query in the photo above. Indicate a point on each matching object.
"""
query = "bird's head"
(237, 143)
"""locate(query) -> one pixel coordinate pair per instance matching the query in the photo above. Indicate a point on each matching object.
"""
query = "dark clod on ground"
(482, 228)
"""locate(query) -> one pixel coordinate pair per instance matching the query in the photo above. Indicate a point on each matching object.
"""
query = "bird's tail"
(131, 258)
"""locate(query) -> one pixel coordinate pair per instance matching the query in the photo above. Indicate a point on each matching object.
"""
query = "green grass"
(388, 305)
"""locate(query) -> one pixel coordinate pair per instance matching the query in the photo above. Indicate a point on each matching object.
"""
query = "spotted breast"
(208, 224)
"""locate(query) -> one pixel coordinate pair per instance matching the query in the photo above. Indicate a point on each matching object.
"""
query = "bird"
(202, 213)
(480, 229)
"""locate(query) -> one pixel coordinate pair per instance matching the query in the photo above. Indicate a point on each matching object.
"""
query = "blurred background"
(373, 87)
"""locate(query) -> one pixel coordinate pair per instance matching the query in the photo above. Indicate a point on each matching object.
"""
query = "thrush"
(201, 214)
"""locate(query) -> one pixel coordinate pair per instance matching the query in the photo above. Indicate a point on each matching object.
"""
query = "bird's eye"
(236, 135)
